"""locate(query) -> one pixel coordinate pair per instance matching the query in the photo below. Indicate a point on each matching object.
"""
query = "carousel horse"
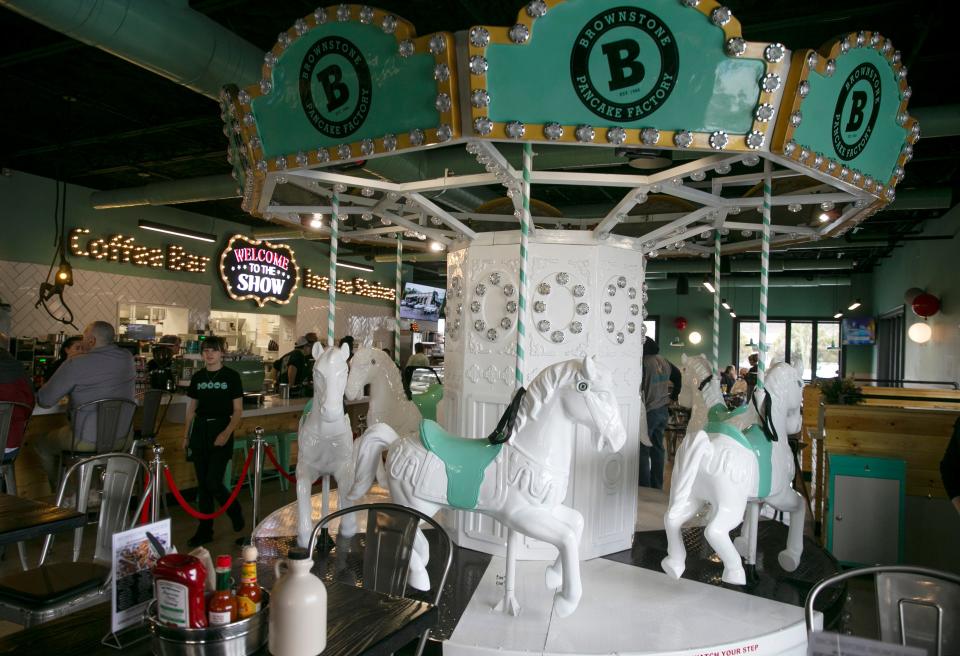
(524, 491)
(714, 408)
(728, 467)
(388, 403)
(325, 439)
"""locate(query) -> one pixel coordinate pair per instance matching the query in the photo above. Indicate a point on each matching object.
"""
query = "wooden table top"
(359, 622)
(25, 519)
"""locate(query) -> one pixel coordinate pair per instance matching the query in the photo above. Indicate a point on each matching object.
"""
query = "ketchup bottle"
(179, 587)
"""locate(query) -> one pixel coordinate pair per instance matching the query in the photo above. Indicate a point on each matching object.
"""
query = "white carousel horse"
(388, 403)
(729, 467)
(526, 487)
(325, 439)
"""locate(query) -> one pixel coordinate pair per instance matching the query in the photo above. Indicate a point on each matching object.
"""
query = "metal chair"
(388, 543)
(8, 473)
(912, 603)
(51, 591)
(150, 421)
(114, 423)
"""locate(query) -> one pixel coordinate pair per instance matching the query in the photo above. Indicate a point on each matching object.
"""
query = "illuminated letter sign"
(258, 270)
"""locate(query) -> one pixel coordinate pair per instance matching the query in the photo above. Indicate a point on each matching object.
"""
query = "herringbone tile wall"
(94, 296)
(358, 319)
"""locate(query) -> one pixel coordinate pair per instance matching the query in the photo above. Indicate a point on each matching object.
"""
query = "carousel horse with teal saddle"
(518, 475)
(730, 458)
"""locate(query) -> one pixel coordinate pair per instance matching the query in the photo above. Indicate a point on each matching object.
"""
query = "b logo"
(856, 112)
(633, 71)
(335, 87)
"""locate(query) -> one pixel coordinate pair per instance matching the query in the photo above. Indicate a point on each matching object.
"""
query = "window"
(651, 326)
(814, 343)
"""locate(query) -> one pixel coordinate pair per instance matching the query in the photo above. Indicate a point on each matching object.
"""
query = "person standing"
(214, 412)
(103, 371)
(293, 370)
(657, 372)
(751, 376)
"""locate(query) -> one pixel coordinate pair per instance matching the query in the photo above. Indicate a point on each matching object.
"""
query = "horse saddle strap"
(504, 428)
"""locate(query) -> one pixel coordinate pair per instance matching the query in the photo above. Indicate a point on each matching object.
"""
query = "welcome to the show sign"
(257, 270)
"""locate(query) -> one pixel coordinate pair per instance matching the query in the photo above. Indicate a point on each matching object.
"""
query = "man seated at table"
(105, 371)
(14, 387)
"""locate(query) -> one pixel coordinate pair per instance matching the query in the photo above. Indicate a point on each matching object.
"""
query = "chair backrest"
(114, 421)
(7, 408)
(915, 604)
(388, 542)
(122, 471)
(149, 424)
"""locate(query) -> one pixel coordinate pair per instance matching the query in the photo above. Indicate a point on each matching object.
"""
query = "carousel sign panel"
(860, 84)
(655, 74)
(344, 82)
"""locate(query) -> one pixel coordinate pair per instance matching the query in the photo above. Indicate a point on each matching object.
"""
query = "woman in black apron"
(214, 411)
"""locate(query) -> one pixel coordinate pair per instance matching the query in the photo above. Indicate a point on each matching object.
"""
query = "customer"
(418, 358)
(347, 339)
(71, 346)
(293, 369)
(15, 387)
(214, 412)
(103, 371)
(751, 376)
(950, 467)
(656, 399)
(727, 379)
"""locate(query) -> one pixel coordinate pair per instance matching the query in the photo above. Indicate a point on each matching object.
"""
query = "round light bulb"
(920, 332)
(436, 246)
(695, 337)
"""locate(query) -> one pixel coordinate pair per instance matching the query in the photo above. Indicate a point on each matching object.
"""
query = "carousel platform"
(629, 605)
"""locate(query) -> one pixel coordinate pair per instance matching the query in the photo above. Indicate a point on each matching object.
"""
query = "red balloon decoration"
(680, 323)
(926, 305)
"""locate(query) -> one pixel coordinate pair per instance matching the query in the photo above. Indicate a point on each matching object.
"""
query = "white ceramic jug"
(298, 608)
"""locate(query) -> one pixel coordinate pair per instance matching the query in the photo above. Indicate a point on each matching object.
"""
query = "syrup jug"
(298, 608)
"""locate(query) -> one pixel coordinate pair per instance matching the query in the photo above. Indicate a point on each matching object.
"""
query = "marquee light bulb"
(436, 246)
(317, 221)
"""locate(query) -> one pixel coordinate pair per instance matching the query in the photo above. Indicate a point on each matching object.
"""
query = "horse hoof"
(419, 580)
(673, 568)
(564, 607)
(742, 546)
(554, 577)
(734, 577)
(508, 606)
(788, 561)
(348, 527)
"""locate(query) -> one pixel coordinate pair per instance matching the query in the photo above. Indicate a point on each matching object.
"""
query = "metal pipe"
(785, 281)
(257, 476)
(165, 37)
(192, 190)
(938, 121)
(748, 266)
(156, 483)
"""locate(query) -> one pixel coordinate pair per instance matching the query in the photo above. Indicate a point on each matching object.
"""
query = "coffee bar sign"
(258, 270)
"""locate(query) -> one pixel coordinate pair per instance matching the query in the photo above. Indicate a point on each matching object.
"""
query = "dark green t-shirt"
(215, 391)
(294, 358)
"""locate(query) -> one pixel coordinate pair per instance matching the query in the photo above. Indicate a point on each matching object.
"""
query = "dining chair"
(8, 471)
(378, 559)
(114, 424)
(916, 606)
(53, 590)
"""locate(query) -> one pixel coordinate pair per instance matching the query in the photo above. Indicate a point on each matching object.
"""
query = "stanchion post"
(257, 474)
(156, 482)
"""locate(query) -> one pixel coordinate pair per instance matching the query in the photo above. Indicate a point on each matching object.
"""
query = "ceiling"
(80, 114)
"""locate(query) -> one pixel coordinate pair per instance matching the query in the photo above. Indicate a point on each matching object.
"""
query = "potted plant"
(840, 391)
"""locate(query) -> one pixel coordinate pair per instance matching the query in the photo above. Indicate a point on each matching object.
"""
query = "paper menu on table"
(133, 561)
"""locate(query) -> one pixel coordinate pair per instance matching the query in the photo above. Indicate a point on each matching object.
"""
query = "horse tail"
(374, 440)
(691, 453)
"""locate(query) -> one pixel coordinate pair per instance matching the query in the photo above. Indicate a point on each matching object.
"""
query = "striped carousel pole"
(332, 290)
(396, 301)
(764, 270)
(716, 300)
(524, 256)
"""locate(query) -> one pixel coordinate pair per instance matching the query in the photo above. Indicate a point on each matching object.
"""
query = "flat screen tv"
(859, 331)
(420, 302)
(141, 331)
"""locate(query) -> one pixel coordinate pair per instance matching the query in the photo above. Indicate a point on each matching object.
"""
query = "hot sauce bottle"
(248, 592)
(222, 607)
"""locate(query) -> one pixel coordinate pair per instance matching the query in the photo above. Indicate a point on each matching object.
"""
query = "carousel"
(532, 464)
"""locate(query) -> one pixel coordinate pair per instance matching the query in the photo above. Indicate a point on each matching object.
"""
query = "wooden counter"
(275, 416)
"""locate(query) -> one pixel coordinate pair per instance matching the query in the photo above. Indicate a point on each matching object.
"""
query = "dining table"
(360, 622)
(26, 519)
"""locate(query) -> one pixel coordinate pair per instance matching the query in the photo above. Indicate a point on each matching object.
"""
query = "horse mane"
(542, 387)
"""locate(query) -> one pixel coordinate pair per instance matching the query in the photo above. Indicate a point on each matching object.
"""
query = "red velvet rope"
(145, 511)
(273, 460)
(233, 495)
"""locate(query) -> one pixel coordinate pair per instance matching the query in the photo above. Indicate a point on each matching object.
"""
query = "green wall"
(27, 221)
(784, 302)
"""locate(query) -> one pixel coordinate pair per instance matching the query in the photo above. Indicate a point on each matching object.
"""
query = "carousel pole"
(396, 301)
(524, 256)
(764, 270)
(716, 300)
(332, 276)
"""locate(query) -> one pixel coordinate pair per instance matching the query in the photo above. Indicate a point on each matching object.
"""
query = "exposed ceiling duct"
(746, 266)
(783, 281)
(193, 190)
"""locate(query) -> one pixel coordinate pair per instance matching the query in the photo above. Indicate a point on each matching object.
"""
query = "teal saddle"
(465, 461)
